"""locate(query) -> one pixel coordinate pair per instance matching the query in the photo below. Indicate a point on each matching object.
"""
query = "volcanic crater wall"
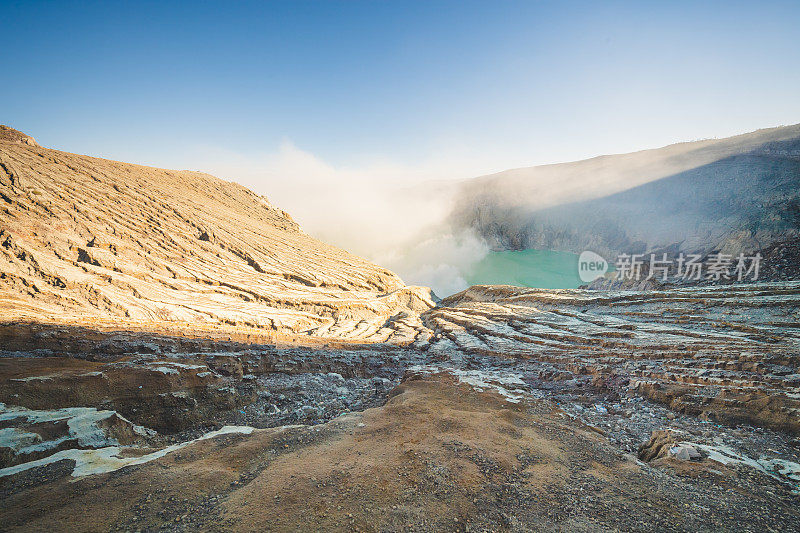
(84, 239)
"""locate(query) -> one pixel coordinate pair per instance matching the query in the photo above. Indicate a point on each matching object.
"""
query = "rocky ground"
(441, 454)
(176, 354)
(526, 410)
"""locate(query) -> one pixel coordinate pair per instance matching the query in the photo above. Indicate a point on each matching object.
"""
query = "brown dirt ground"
(438, 456)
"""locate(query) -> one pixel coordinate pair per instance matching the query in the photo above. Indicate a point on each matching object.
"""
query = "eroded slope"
(730, 354)
(87, 240)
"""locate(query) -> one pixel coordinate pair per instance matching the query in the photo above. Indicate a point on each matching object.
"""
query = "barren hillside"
(738, 194)
(87, 240)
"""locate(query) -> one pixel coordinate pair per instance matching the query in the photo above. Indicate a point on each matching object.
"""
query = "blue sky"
(400, 82)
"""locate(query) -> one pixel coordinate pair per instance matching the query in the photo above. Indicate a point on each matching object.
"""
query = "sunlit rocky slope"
(87, 240)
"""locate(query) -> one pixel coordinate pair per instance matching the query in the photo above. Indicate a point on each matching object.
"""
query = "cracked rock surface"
(91, 241)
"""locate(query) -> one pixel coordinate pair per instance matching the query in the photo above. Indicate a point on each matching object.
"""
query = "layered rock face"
(87, 240)
(738, 194)
(8, 134)
(725, 354)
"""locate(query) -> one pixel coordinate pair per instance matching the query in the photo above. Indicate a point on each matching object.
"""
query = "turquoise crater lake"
(543, 269)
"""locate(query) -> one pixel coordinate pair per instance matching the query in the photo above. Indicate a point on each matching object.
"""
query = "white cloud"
(388, 212)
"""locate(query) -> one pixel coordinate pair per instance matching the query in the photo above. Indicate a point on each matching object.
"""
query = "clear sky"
(389, 90)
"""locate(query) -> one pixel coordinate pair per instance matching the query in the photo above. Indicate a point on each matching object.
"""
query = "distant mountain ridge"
(738, 194)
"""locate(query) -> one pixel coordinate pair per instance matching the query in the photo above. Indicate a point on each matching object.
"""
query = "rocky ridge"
(738, 194)
(728, 354)
(691, 390)
(87, 240)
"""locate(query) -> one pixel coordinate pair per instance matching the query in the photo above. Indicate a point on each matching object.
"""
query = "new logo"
(591, 266)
